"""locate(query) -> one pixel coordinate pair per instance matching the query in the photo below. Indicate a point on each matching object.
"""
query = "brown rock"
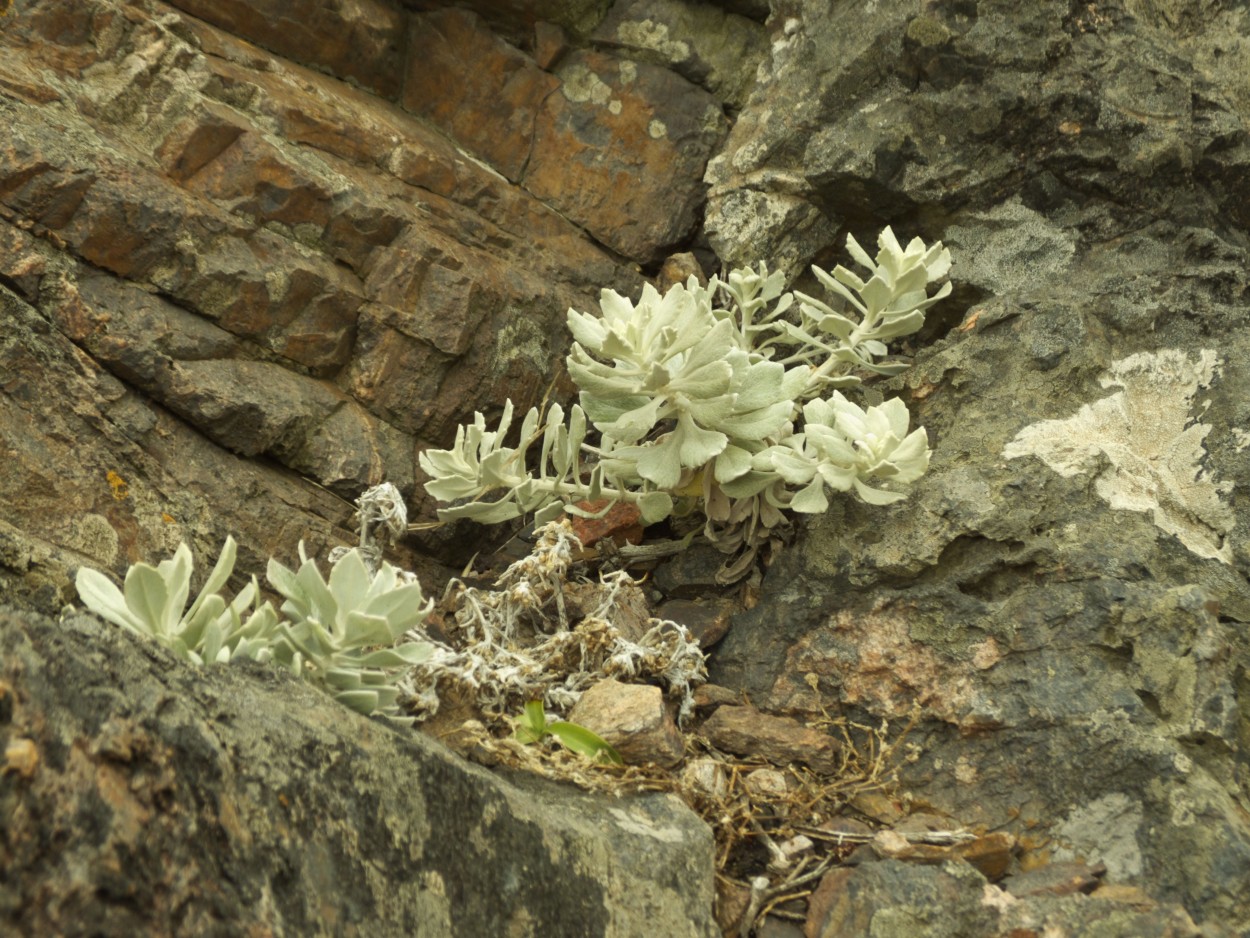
(550, 43)
(122, 219)
(679, 268)
(284, 217)
(825, 900)
(707, 621)
(136, 334)
(444, 189)
(93, 471)
(198, 138)
(489, 108)
(625, 607)
(990, 854)
(707, 696)
(399, 371)
(745, 731)
(1123, 892)
(438, 291)
(251, 177)
(258, 407)
(881, 807)
(633, 718)
(621, 148)
(622, 523)
(732, 900)
(516, 19)
(1056, 879)
(62, 33)
(362, 40)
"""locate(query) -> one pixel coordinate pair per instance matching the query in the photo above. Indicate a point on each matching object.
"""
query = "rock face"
(249, 803)
(253, 256)
(1065, 594)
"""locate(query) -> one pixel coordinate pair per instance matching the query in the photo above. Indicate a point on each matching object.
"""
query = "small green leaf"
(584, 742)
(531, 725)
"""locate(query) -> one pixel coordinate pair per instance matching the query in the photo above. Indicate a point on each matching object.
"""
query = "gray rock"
(706, 44)
(891, 898)
(1065, 594)
(225, 799)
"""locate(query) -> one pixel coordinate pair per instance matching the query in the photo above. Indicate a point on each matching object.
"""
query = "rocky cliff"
(255, 256)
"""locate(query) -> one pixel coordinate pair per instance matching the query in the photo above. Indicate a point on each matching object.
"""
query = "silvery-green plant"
(153, 602)
(344, 633)
(714, 397)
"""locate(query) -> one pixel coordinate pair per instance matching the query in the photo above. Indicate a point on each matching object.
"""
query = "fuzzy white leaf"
(875, 496)
(102, 597)
(811, 499)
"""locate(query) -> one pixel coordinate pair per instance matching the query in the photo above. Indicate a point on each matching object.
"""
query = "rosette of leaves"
(890, 304)
(489, 481)
(669, 361)
(844, 448)
(723, 403)
(344, 633)
(153, 602)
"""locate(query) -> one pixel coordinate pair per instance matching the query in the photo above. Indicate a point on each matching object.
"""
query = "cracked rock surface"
(255, 256)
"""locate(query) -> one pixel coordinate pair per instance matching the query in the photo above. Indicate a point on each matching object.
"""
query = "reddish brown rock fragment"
(732, 900)
(244, 216)
(1056, 879)
(827, 901)
(199, 138)
(679, 268)
(440, 294)
(707, 696)
(633, 718)
(251, 177)
(622, 523)
(745, 731)
(550, 43)
(990, 854)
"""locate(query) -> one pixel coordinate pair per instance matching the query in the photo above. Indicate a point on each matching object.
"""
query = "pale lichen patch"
(1104, 830)
(581, 85)
(1145, 450)
(637, 823)
(648, 34)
